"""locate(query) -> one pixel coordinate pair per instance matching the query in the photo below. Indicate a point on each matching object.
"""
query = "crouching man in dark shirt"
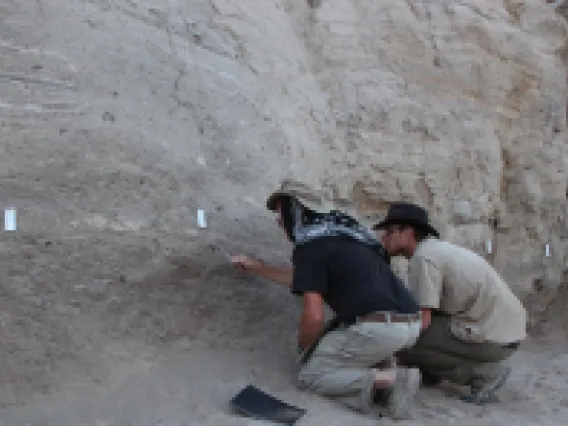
(339, 262)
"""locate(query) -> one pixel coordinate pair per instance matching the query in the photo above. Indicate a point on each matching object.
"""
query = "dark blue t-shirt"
(352, 278)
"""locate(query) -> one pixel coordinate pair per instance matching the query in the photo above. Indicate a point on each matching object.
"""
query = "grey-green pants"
(343, 363)
(441, 355)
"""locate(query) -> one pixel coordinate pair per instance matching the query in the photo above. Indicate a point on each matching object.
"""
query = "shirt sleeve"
(310, 271)
(425, 282)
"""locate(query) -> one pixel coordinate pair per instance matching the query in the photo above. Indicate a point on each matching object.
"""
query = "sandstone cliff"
(119, 119)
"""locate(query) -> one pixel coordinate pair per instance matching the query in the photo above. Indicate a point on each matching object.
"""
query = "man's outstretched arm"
(280, 274)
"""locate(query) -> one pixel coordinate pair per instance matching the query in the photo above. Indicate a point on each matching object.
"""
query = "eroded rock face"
(456, 102)
(120, 119)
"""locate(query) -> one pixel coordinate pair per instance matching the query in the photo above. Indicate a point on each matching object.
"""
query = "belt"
(385, 317)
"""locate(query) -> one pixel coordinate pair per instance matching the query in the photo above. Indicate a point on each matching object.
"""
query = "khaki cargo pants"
(441, 355)
(342, 364)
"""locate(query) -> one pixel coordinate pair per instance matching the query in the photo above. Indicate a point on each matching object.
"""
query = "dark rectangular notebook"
(255, 403)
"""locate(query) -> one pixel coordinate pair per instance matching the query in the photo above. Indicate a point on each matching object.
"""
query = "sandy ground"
(172, 343)
(192, 386)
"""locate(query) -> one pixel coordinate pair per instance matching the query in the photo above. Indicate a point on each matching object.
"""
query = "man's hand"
(245, 263)
(281, 275)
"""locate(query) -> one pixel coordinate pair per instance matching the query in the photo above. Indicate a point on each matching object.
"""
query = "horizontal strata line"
(31, 80)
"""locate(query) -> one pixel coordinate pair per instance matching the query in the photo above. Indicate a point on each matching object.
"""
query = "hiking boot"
(402, 393)
(485, 387)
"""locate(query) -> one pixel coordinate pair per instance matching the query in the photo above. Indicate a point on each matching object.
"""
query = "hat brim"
(310, 200)
(424, 226)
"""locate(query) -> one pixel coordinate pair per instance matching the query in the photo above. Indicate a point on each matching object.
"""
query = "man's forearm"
(311, 326)
(281, 275)
(309, 332)
(426, 319)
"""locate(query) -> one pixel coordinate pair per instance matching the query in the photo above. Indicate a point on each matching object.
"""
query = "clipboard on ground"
(255, 403)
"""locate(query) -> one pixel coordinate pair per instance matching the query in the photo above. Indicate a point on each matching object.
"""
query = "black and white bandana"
(303, 225)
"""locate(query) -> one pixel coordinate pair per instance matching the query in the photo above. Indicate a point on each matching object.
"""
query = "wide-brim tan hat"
(309, 197)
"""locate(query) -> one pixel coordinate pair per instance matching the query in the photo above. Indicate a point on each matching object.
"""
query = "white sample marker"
(488, 246)
(462, 209)
(201, 222)
(547, 250)
(10, 221)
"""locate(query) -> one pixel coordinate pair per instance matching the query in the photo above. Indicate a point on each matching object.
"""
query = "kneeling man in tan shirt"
(471, 320)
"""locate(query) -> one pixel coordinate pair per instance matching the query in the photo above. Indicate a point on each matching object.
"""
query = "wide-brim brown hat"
(309, 197)
(403, 213)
